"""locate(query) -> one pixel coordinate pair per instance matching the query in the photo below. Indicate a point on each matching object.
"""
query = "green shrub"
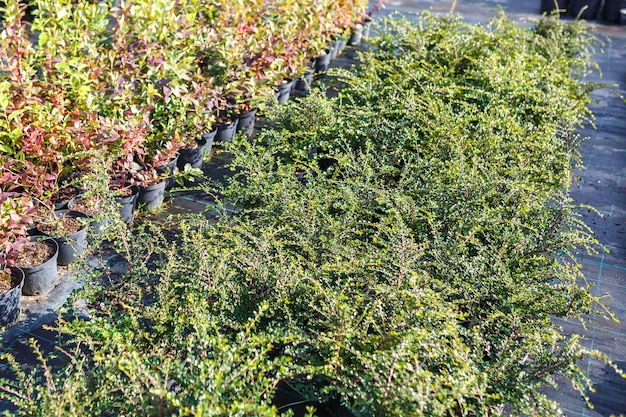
(417, 275)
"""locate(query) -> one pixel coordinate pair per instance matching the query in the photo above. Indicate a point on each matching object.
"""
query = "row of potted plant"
(136, 91)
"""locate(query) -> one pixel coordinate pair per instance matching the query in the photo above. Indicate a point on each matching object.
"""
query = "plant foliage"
(401, 248)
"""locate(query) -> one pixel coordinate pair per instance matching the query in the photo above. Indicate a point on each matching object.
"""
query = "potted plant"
(68, 228)
(340, 41)
(97, 202)
(62, 194)
(195, 126)
(126, 193)
(11, 283)
(15, 218)
(37, 259)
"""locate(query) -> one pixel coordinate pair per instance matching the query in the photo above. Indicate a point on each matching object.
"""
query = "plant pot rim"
(134, 192)
(63, 214)
(20, 282)
(53, 258)
(154, 186)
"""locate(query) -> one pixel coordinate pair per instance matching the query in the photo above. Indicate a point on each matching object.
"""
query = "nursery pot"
(622, 16)
(326, 163)
(151, 197)
(10, 301)
(547, 6)
(322, 63)
(337, 48)
(40, 279)
(72, 245)
(226, 132)
(284, 92)
(304, 82)
(367, 27)
(357, 35)
(208, 141)
(341, 46)
(128, 205)
(245, 122)
(94, 226)
(575, 7)
(192, 156)
(168, 169)
(611, 12)
(62, 203)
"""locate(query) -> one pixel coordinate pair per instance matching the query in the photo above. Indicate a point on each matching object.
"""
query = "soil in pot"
(92, 206)
(69, 230)
(10, 296)
(63, 195)
(63, 226)
(38, 260)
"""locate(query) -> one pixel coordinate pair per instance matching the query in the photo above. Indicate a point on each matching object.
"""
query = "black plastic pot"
(589, 13)
(284, 92)
(322, 63)
(611, 12)
(192, 156)
(11, 301)
(208, 141)
(547, 6)
(357, 35)
(341, 45)
(62, 205)
(95, 227)
(72, 245)
(40, 279)
(622, 16)
(367, 27)
(168, 169)
(326, 163)
(128, 205)
(245, 122)
(337, 47)
(152, 196)
(226, 132)
(304, 82)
